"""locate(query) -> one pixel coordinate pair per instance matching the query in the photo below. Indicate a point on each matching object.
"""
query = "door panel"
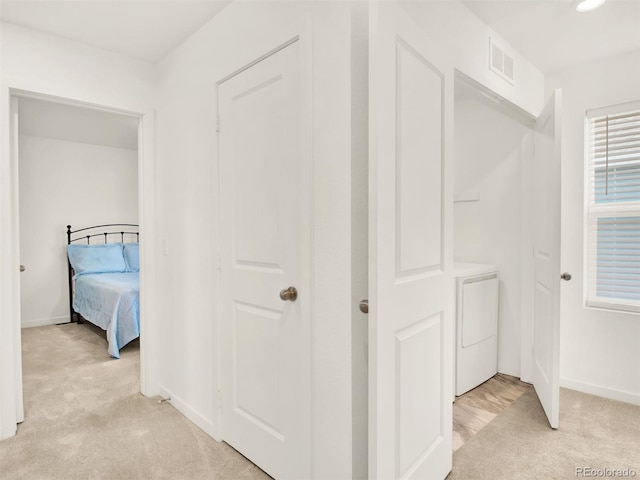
(258, 173)
(418, 391)
(266, 354)
(418, 189)
(256, 368)
(411, 287)
(546, 258)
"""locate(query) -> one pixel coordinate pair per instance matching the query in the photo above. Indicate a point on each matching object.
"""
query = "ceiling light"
(587, 5)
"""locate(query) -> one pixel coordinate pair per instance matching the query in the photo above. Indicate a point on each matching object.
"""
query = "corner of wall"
(191, 413)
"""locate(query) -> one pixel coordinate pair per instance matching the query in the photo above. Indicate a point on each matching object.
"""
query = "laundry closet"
(493, 154)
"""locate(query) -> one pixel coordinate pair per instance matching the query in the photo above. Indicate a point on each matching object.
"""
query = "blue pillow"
(132, 256)
(107, 258)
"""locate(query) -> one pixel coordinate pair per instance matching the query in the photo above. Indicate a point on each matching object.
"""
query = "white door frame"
(10, 321)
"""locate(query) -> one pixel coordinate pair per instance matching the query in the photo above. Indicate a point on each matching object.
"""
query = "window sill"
(608, 306)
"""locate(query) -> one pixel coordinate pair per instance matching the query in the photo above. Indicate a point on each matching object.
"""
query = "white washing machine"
(477, 290)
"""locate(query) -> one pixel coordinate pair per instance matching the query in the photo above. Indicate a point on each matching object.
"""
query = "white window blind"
(613, 208)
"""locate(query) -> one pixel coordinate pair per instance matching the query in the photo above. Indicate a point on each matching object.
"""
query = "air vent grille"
(501, 62)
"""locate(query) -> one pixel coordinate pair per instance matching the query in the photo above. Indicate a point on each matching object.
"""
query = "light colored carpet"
(85, 419)
(594, 432)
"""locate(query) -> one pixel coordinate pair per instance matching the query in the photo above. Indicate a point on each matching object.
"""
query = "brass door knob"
(565, 276)
(22, 268)
(289, 294)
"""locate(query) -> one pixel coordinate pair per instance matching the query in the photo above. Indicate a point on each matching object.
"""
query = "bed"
(104, 286)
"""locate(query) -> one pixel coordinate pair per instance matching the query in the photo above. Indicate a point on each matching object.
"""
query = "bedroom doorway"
(78, 167)
(60, 130)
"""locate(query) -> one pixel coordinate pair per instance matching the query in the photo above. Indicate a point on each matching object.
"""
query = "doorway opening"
(493, 266)
(81, 165)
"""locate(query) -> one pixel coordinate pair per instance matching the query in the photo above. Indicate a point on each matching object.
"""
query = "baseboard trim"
(41, 322)
(600, 391)
(198, 419)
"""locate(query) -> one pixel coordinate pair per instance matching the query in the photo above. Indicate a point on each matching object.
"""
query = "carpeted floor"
(85, 419)
(594, 433)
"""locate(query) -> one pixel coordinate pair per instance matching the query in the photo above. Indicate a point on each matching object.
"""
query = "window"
(613, 208)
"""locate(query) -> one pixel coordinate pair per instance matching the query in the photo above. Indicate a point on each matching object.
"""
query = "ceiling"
(39, 118)
(143, 29)
(550, 33)
(553, 36)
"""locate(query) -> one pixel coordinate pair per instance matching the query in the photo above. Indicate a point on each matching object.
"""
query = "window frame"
(594, 211)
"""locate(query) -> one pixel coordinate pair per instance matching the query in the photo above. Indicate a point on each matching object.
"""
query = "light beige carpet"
(594, 433)
(85, 419)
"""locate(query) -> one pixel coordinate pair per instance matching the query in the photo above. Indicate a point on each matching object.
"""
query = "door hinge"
(218, 123)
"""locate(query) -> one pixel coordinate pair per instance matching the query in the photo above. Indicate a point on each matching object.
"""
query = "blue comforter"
(112, 302)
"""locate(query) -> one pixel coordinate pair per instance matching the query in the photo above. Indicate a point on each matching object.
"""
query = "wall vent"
(501, 62)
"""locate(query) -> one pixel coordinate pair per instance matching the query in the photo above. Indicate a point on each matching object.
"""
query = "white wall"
(599, 350)
(187, 214)
(65, 183)
(466, 39)
(44, 63)
(51, 65)
(491, 150)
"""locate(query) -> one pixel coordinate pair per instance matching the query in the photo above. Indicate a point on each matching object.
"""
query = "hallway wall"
(188, 214)
(464, 39)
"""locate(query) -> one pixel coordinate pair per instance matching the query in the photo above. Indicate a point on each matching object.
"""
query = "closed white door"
(264, 251)
(411, 285)
(546, 258)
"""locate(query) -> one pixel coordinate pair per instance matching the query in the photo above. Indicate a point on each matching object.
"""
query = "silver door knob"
(289, 294)
(22, 268)
(565, 276)
(364, 306)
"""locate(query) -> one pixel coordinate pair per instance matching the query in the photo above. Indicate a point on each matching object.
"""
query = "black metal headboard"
(104, 234)
(104, 231)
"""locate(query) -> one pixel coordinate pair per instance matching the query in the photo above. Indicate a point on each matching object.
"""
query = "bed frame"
(104, 231)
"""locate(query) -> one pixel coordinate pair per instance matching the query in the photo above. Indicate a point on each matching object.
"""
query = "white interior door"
(546, 258)
(264, 250)
(411, 285)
